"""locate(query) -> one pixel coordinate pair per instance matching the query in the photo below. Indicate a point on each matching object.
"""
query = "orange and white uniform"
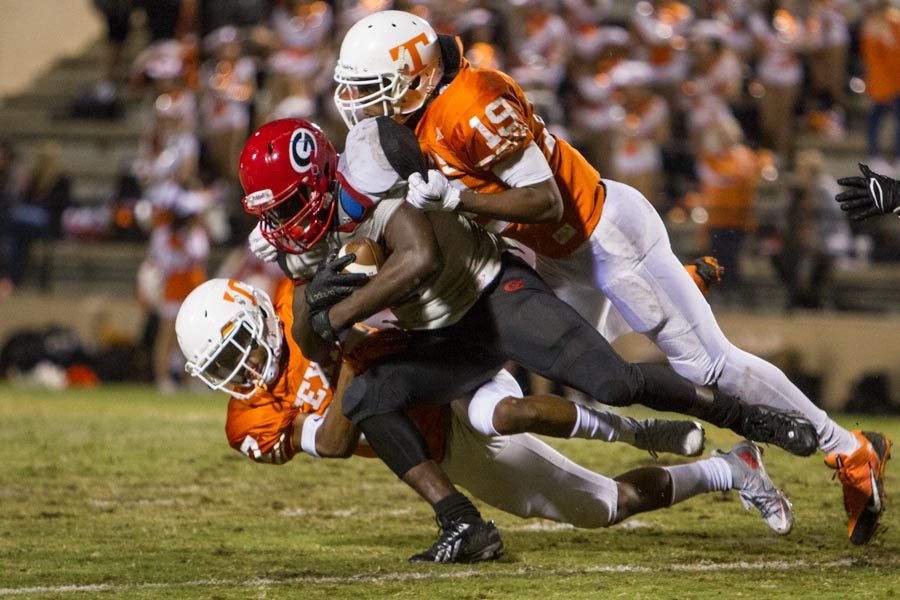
(518, 474)
(483, 118)
(262, 426)
(610, 256)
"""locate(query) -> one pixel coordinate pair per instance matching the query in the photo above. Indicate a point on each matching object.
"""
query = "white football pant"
(628, 259)
(523, 476)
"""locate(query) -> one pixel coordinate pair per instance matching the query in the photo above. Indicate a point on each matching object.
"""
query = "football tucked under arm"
(369, 256)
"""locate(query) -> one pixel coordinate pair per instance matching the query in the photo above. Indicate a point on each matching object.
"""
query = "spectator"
(229, 85)
(803, 265)
(780, 73)
(300, 63)
(828, 41)
(729, 174)
(829, 224)
(594, 109)
(662, 27)
(37, 212)
(641, 130)
(543, 50)
(179, 251)
(880, 46)
(9, 194)
(716, 68)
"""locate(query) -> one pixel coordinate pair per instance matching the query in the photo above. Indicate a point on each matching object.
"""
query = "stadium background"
(802, 286)
(84, 138)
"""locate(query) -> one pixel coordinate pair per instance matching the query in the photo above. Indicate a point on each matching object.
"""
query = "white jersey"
(471, 262)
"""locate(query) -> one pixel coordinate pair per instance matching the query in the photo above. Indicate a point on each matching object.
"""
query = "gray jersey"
(471, 262)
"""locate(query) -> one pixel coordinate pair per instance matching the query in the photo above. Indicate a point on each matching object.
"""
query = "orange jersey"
(262, 427)
(482, 118)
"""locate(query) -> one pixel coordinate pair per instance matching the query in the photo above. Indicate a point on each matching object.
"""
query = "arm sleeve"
(524, 168)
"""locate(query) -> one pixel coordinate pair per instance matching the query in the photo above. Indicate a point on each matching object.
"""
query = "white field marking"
(701, 567)
(634, 524)
(300, 512)
(540, 526)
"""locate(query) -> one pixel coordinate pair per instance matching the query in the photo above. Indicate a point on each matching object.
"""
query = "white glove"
(434, 194)
(261, 247)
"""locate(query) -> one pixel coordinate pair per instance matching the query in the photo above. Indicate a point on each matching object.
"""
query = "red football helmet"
(287, 170)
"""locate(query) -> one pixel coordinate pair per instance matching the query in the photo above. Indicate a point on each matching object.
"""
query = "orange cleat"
(862, 475)
(706, 272)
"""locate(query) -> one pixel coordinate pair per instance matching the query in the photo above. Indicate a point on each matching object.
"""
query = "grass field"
(121, 492)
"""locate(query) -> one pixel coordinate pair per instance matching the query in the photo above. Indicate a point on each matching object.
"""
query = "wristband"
(308, 434)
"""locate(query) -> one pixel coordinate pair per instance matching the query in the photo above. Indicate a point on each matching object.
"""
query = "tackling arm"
(334, 436)
(538, 203)
(532, 197)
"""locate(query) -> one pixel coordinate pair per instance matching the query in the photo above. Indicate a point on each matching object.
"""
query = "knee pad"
(486, 399)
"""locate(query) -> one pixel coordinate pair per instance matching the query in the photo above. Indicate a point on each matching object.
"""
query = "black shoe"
(789, 430)
(464, 542)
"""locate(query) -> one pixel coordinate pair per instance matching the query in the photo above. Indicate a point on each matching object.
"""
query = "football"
(369, 256)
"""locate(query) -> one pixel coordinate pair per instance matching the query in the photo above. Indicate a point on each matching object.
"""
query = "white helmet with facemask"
(230, 336)
(389, 63)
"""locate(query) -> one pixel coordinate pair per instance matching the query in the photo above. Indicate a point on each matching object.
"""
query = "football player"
(595, 239)
(235, 339)
(469, 307)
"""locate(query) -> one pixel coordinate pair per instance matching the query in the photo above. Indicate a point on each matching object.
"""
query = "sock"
(453, 507)
(835, 439)
(594, 424)
(709, 475)
(718, 408)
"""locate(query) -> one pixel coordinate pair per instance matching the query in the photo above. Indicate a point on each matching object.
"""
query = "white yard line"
(430, 575)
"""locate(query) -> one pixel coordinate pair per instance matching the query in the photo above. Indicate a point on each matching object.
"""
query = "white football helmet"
(391, 58)
(230, 336)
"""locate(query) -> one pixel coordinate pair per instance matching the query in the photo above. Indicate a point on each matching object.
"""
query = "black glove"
(329, 286)
(870, 195)
(321, 324)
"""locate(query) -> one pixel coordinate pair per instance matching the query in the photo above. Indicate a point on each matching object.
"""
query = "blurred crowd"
(697, 104)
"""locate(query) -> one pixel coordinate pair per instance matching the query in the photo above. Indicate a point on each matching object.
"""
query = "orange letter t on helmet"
(410, 48)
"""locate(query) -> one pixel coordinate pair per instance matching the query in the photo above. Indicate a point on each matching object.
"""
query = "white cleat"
(756, 488)
(675, 437)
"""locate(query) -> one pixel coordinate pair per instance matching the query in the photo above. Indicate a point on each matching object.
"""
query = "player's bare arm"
(538, 203)
(336, 436)
(413, 259)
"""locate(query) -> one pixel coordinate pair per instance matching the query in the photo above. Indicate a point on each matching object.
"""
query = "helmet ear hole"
(271, 149)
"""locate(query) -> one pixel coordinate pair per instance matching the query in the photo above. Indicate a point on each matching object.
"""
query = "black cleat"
(789, 430)
(464, 542)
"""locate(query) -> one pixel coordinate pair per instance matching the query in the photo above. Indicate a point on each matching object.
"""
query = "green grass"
(137, 495)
